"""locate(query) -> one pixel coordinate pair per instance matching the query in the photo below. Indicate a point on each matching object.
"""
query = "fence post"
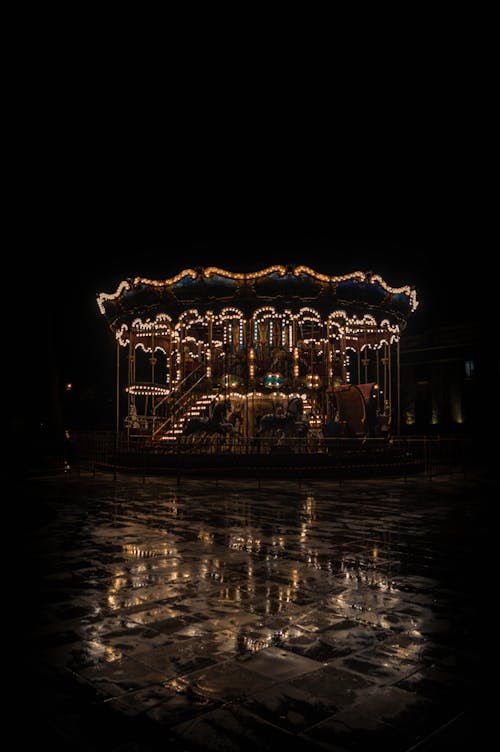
(429, 458)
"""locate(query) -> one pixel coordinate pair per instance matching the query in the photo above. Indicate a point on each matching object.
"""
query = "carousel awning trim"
(207, 273)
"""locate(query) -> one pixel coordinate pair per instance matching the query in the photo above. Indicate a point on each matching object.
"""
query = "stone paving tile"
(290, 707)
(338, 616)
(399, 718)
(148, 616)
(351, 731)
(81, 654)
(319, 619)
(438, 685)
(234, 728)
(229, 681)
(331, 684)
(279, 665)
(383, 671)
(181, 706)
(348, 636)
(139, 702)
(166, 705)
(121, 676)
(185, 655)
(308, 644)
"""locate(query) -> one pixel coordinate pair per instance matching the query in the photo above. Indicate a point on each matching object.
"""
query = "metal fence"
(342, 457)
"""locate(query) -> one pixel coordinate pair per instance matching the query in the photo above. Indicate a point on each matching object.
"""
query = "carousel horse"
(217, 423)
(236, 420)
(291, 423)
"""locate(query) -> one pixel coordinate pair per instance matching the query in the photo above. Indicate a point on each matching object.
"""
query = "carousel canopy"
(284, 287)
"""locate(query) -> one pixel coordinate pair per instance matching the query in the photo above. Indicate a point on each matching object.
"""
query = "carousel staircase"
(196, 409)
(178, 403)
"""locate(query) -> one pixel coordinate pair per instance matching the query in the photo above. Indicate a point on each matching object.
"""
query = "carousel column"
(326, 372)
(390, 378)
(377, 356)
(131, 380)
(385, 362)
(168, 360)
(209, 351)
(295, 356)
(366, 363)
(311, 361)
(332, 342)
(343, 365)
(152, 362)
(182, 355)
(398, 388)
(117, 415)
(250, 359)
(255, 350)
(366, 359)
(225, 348)
(172, 365)
(328, 359)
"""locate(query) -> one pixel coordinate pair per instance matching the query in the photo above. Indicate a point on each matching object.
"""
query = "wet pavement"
(203, 616)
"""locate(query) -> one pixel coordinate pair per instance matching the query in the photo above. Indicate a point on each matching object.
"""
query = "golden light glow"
(105, 296)
(234, 348)
(210, 271)
(148, 390)
(166, 282)
(406, 290)
(359, 276)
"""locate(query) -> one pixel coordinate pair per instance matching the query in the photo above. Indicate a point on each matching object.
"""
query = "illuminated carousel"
(285, 352)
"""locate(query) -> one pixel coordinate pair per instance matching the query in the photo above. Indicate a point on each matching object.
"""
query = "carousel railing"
(180, 386)
(431, 456)
(184, 396)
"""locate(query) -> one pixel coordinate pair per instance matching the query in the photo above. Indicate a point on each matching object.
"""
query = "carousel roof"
(285, 287)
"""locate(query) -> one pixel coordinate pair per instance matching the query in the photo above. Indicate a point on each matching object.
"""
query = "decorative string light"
(312, 381)
(148, 390)
(406, 290)
(195, 340)
(124, 285)
(273, 380)
(358, 277)
(166, 282)
(211, 270)
(146, 349)
(350, 328)
(230, 312)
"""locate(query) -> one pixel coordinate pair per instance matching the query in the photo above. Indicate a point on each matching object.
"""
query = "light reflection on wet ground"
(339, 614)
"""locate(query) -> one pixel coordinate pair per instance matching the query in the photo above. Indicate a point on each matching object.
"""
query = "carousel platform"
(340, 459)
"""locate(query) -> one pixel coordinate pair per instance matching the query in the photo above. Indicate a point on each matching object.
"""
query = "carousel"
(283, 352)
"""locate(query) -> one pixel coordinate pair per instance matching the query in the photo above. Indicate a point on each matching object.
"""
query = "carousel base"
(343, 462)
